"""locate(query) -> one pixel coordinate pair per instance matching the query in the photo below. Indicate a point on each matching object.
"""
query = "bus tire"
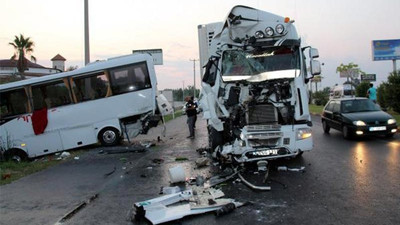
(109, 136)
(16, 155)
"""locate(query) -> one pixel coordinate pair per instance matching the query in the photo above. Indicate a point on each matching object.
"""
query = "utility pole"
(194, 76)
(87, 52)
(183, 92)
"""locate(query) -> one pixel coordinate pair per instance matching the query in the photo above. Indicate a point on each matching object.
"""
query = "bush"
(320, 97)
(382, 96)
(362, 88)
(392, 90)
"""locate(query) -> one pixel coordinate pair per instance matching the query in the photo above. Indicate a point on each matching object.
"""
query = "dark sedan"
(357, 117)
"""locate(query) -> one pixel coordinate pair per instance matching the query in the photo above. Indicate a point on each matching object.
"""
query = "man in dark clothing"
(191, 115)
(195, 116)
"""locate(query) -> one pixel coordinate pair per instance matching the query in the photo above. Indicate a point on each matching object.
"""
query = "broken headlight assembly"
(303, 133)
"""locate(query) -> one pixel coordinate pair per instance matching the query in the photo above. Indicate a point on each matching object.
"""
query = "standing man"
(371, 93)
(191, 115)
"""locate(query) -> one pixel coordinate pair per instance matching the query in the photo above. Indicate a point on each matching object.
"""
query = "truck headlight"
(259, 34)
(303, 133)
(269, 31)
(279, 28)
(359, 123)
(391, 121)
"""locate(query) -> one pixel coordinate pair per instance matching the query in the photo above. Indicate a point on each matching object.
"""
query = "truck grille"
(262, 114)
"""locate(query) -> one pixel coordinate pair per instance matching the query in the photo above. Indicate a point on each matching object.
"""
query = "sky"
(342, 31)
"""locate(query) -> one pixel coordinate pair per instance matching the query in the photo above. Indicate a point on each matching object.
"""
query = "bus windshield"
(256, 66)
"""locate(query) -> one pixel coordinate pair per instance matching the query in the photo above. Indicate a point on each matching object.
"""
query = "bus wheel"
(109, 136)
(16, 155)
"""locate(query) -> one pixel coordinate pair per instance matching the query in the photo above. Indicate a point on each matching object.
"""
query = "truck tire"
(109, 136)
(214, 138)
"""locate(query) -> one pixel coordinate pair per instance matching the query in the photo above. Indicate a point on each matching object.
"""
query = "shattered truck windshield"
(260, 65)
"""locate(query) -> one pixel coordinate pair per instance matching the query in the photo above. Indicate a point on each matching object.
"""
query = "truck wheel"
(109, 136)
(214, 138)
(16, 155)
(326, 127)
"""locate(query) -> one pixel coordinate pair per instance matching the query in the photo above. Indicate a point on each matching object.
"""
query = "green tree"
(23, 47)
(362, 88)
(392, 90)
(350, 71)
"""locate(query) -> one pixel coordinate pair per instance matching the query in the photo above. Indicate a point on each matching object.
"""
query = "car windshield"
(358, 105)
(265, 64)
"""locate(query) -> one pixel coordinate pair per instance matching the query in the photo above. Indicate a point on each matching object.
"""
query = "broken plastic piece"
(252, 186)
(177, 174)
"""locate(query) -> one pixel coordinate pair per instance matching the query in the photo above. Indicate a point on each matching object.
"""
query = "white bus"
(100, 102)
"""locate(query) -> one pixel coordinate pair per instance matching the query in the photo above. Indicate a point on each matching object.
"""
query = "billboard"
(386, 49)
(368, 77)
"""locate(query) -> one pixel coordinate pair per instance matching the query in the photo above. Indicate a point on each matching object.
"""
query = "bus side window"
(50, 95)
(90, 87)
(130, 78)
(13, 103)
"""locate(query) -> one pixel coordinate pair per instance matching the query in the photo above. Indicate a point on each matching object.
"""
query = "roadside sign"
(368, 77)
(386, 49)
(352, 73)
(155, 53)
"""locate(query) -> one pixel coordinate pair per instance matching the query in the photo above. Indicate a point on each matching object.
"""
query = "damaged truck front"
(254, 86)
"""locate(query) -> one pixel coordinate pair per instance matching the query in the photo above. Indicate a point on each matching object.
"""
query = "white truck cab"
(254, 92)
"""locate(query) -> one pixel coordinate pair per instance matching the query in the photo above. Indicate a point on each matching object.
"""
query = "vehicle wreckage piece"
(158, 210)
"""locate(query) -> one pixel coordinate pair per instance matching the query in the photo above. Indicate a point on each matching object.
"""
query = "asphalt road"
(345, 182)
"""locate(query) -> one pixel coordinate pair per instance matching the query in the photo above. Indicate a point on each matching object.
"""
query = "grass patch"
(316, 109)
(169, 117)
(11, 171)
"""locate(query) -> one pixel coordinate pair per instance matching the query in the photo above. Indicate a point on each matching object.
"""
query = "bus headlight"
(391, 121)
(303, 133)
(359, 123)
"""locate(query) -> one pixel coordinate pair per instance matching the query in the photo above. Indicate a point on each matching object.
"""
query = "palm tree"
(22, 46)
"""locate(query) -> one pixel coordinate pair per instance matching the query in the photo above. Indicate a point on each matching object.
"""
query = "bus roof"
(91, 67)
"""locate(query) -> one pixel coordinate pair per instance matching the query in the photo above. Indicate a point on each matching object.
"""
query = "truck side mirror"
(315, 67)
(314, 53)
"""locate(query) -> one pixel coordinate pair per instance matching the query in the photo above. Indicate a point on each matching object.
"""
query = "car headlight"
(391, 121)
(359, 123)
(269, 31)
(303, 133)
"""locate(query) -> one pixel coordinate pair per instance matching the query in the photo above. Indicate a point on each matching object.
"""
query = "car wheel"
(326, 127)
(109, 136)
(346, 132)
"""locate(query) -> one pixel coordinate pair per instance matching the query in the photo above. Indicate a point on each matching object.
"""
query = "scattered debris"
(198, 201)
(6, 176)
(170, 190)
(64, 155)
(147, 144)
(76, 157)
(127, 149)
(252, 186)
(203, 161)
(79, 207)
(109, 173)
(181, 159)
(177, 174)
(158, 161)
(285, 168)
